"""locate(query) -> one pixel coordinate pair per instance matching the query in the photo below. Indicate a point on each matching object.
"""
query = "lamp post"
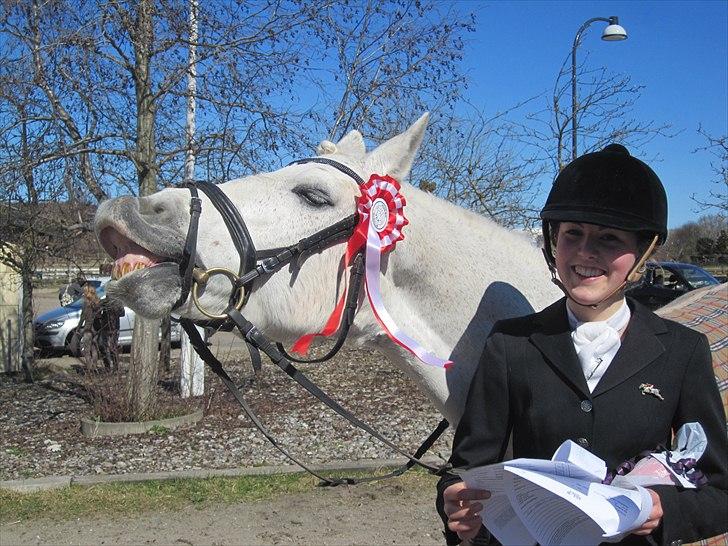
(613, 32)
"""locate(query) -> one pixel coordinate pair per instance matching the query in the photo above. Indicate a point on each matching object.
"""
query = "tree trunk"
(143, 366)
(165, 344)
(27, 357)
(143, 374)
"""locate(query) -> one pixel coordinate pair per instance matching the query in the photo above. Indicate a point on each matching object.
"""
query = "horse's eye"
(313, 195)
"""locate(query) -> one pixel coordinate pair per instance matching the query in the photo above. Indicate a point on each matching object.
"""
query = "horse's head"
(146, 236)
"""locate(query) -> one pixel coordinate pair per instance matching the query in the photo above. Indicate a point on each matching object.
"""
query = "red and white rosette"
(381, 220)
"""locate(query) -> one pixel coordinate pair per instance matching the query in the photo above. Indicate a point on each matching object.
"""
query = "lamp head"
(614, 32)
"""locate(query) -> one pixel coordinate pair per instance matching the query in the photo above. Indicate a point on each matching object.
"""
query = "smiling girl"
(577, 369)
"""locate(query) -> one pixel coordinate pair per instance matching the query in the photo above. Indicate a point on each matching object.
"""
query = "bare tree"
(717, 198)
(385, 63)
(36, 223)
(605, 114)
(481, 169)
(392, 61)
(682, 242)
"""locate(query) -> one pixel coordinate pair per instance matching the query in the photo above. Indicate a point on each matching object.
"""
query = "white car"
(55, 328)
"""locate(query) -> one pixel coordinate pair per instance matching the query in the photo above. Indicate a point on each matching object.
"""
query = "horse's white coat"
(451, 278)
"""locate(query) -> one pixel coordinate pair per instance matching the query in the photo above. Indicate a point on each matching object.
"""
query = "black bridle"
(255, 265)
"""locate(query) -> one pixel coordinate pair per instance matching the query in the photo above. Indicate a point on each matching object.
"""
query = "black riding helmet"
(609, 188)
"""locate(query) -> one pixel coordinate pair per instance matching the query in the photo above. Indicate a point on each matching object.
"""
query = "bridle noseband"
(254, 265)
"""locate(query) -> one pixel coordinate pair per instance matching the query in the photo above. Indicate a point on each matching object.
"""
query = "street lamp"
(613, 32)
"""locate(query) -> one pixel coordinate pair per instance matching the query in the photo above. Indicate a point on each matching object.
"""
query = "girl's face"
(592, 261)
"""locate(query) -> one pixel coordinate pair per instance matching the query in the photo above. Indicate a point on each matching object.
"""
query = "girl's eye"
(611, 238)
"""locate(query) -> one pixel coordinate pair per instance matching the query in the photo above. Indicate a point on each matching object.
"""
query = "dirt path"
(364, 514)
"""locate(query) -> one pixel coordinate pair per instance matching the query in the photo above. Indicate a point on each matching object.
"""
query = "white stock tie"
(597, 342)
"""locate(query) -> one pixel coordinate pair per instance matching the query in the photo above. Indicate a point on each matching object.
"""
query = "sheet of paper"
(551, 519)
(491, 477)
(612, 510)
(572, 452)
(501, 520)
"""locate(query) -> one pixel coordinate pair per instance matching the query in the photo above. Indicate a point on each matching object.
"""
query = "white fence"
(67, 273)
(11, 303)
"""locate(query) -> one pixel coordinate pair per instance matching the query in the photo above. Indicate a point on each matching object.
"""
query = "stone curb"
(92, 429)
(33, 485)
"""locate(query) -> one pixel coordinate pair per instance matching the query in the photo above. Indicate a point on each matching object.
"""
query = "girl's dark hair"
(644, 238)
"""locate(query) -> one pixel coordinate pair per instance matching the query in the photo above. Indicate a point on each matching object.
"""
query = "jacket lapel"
(640, 347)
(552, 336)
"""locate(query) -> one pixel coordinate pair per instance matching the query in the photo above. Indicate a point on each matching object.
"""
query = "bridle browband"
(255, 265)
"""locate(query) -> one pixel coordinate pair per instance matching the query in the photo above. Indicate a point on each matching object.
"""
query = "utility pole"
(192, 376)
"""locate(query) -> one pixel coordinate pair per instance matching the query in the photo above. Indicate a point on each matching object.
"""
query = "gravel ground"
(40, 433)
(40, 436)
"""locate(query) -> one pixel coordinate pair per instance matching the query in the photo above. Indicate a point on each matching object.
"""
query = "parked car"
(666, 281)
(65, 294)
(55, 328)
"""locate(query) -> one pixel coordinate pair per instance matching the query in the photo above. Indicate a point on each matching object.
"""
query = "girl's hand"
(463, 509)
(653, 522)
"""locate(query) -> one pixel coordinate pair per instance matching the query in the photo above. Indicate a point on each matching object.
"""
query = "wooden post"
(192, 368)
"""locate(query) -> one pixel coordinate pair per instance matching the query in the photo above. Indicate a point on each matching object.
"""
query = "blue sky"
(677, 49)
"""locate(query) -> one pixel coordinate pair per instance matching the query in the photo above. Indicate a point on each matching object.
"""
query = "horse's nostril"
(159, 209)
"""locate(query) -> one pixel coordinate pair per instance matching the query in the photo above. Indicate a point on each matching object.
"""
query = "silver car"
(55, 328)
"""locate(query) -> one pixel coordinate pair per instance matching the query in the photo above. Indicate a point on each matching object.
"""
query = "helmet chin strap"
(634, 274)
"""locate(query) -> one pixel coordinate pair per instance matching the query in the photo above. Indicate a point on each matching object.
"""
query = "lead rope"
(255, 337)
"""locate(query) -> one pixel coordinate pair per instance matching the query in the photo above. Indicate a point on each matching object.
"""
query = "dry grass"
(135, 498)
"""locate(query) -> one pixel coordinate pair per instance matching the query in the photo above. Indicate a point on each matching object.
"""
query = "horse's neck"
(446, 283)
(455, 267)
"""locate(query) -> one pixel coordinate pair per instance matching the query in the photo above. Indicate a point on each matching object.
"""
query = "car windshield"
(696, 276)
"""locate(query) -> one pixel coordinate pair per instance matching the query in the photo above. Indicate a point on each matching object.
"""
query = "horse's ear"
(351, 144)
(395, 156)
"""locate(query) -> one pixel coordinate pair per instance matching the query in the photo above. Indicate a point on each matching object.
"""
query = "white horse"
(445, 284)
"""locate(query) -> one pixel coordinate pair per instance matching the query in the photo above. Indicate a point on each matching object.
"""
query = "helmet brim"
(600, 217)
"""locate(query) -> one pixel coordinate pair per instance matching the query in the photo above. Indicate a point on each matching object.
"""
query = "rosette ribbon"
(381, 220)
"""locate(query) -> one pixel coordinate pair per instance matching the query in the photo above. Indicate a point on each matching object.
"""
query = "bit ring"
(203, 278)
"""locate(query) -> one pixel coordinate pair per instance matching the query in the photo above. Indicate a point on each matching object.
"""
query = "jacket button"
(586, 406)
(583, 442)
(676, 543)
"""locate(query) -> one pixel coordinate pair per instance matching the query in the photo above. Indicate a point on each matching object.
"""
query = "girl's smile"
(592, 262)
